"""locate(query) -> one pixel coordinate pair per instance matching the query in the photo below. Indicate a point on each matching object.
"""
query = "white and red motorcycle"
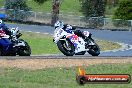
(70, 44)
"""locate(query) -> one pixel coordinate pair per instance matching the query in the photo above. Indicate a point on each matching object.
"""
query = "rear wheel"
(66, 47)
(0, 51)
(25, 50)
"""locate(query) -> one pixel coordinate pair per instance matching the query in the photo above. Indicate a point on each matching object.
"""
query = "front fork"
(89, 43)
(66, 44)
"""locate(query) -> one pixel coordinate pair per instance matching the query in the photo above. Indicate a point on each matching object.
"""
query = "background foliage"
(124, 10)
(17, 5)
(40, 1)
(93, 8)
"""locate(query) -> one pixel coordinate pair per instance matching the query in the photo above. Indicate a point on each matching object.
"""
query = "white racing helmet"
(59, 24)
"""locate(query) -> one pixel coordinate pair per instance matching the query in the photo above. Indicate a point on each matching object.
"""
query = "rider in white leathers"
(69, 29)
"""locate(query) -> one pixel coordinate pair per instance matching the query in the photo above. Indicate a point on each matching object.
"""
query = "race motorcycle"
(70, 44)
(18, 46)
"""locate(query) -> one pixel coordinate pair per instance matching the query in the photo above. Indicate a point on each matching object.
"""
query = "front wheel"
(94, 50)
(66, 47)
(81, 53)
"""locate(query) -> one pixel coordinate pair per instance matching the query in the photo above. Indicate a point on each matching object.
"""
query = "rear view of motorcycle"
(71, 44)
(5, 44)
(21, 47)
(12, 45)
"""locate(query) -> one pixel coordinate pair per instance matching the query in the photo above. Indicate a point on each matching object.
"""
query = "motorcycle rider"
(69, 29)
(5, 43)
(5, 28)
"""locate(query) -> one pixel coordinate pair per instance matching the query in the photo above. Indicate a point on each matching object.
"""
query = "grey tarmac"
(124, 37)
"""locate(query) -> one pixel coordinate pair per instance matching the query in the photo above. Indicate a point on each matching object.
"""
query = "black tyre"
(1, 52)
(94, 50)
(25, 50)
(68, 51)
(81, 53)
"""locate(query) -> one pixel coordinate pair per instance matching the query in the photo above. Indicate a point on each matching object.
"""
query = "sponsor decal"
(60, 31)
(74, 37)
(83, 78)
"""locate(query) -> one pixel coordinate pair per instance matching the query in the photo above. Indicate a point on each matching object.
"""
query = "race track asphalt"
(115, 36)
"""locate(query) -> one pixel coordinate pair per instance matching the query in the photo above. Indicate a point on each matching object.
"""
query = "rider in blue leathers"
(5, 43)
(5, 28)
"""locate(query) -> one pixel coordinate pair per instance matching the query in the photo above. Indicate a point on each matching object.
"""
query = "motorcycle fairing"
(78, 42)
(6, 44)
(20, 43)
(58, 33)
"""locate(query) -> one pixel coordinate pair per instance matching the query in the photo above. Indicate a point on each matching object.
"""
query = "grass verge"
(40, 43)
(66, 6)
(59, 77)
(43, 43)
(72, 6)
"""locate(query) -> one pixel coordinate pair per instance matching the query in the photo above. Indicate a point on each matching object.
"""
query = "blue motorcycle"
(6, 45)
(12, 45)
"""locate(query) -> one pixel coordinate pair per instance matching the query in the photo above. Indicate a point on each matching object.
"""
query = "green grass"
(1, 3)
(46, 7)
(72, 6)
(59, 78)
(107, 45)
(43, 44)
(40, 43)
(66, 6)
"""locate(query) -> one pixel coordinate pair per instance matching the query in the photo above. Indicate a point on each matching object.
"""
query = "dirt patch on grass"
(51, 63)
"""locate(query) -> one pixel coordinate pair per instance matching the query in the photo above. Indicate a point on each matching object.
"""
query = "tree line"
(89, 8)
